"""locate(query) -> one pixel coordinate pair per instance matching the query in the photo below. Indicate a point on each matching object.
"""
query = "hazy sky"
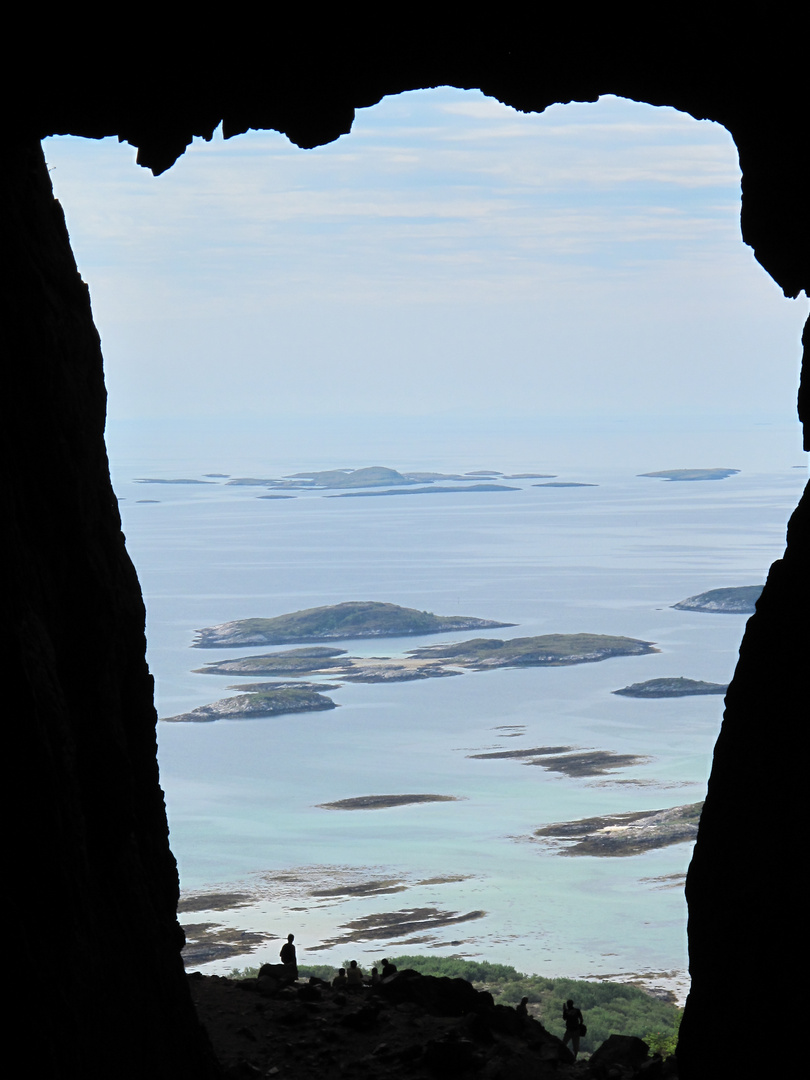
(449, 258)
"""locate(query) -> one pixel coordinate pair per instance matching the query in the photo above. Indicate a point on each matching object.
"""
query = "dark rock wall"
(96, 887)
(747, 900)
(97, 911)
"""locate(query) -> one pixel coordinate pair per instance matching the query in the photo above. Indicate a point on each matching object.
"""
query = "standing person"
(288, 957)
(574, 1026)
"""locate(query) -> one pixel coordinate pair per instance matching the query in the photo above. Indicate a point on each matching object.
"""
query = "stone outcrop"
(409, 1027)
(98, 885)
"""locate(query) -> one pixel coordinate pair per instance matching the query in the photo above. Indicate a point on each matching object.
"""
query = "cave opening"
(486, 428)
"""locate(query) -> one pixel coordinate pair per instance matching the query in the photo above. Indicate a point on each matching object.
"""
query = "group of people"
(346, 978)
(352, 978)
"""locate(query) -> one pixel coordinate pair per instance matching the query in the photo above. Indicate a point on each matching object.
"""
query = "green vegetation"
(354, 619)
(664, 1042)
(545, 650)
(289, 662)
(608, 1008)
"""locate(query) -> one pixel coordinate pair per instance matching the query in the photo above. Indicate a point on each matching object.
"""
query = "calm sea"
(610, 559)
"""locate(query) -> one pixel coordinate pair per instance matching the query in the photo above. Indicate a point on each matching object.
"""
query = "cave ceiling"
(167, 79)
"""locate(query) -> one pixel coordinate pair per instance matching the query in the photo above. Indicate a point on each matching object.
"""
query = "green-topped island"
(351, 620)
(436, 661)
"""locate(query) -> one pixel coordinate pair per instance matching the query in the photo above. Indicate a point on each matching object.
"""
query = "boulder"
(619, 1056)
(437, 996)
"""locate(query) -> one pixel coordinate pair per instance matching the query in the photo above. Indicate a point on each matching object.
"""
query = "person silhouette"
(354, 976)
(521, 1009)
(574, 1026)
(340, 981)
(288, 957)
(387, 968)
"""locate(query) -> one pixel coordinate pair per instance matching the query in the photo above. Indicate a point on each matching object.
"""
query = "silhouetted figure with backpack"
(574, 1026)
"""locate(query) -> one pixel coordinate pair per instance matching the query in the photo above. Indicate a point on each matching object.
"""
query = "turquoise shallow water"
(242, 795)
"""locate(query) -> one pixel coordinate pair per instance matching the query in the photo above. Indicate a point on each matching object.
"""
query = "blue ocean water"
(243, 796)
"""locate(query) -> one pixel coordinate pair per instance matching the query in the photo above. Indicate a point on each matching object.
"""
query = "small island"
(180, 480)
(740, 600)
(664, 688)
(434, 490)
(564, 484)
(691, 474)
(545, 650)
(330, 662)
(436, 661)
(382, 802)
(626, 834)
(354, 619)
(282, 699)
(377, 476)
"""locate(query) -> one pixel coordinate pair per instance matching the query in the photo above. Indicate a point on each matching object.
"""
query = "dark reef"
(626, 834)
(384, 802)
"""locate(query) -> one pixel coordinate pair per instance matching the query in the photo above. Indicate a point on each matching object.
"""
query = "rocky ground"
(410, 1026)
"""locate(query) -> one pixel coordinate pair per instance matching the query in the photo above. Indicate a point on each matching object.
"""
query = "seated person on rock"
(340, 981)
(354, 976)
(388, 969)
